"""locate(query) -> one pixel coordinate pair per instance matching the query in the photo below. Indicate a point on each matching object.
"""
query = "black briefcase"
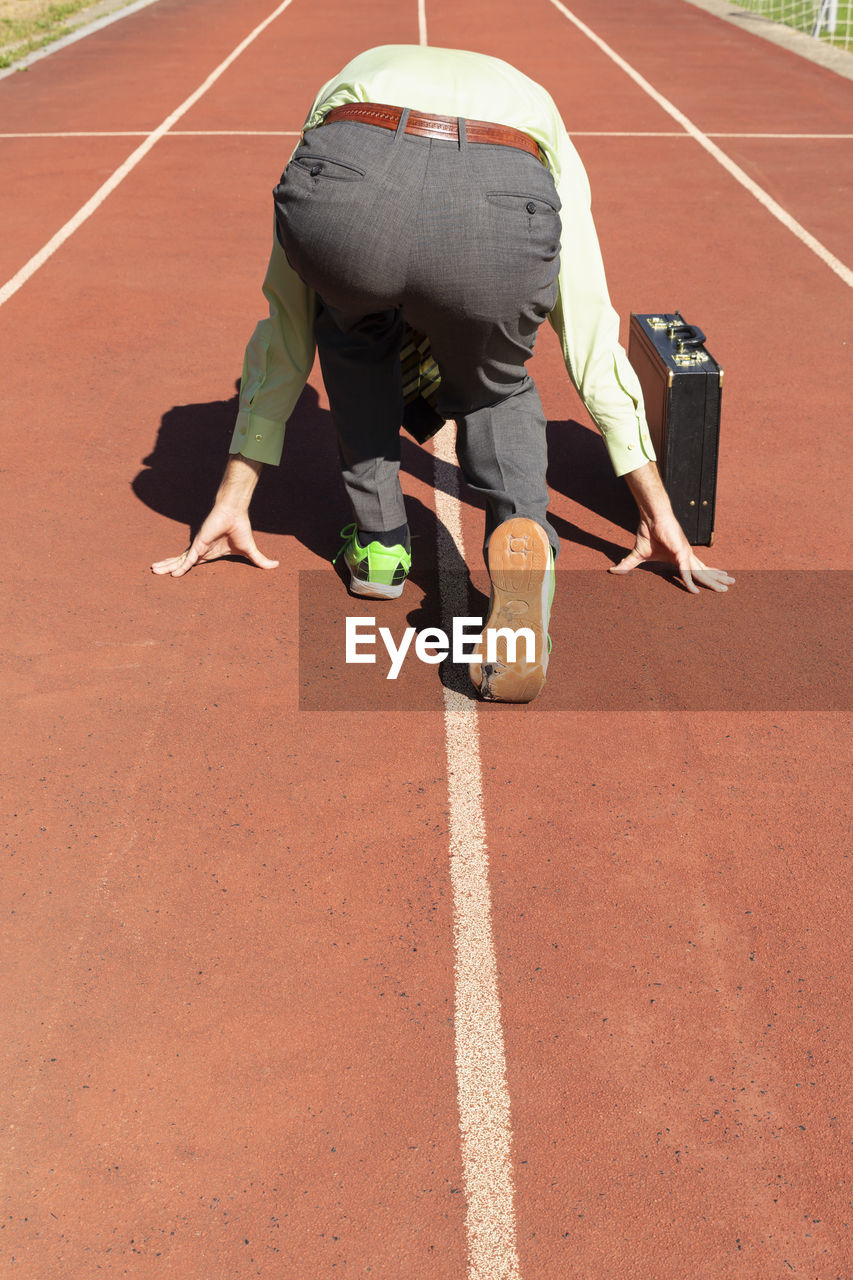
(682, 387)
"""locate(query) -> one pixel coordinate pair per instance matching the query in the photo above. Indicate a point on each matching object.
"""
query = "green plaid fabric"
(420, 372)
(421, 379)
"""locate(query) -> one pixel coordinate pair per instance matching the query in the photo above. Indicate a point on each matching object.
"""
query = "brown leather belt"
(426, 126)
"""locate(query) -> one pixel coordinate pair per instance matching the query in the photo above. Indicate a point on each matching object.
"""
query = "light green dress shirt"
(452, 82)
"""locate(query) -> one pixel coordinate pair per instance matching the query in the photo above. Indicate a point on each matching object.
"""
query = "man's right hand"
(225, 532)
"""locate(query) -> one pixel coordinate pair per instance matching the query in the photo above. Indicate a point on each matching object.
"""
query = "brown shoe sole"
(519, 558)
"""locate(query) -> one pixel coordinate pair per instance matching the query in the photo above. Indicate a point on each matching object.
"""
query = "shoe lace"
(347, 533)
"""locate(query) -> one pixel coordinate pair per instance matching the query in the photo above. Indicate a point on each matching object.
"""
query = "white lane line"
(102, 133)
(235, 133)
(679, 133)
(82, 215)
(482, 1092)
(295, 133)
(173, 133)
(481, 1087)
(810, 137)
(820, 250)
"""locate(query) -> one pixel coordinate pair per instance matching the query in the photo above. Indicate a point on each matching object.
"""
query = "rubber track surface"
(229, 959)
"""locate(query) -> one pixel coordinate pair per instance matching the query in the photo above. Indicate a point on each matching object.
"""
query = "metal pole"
(821, 17)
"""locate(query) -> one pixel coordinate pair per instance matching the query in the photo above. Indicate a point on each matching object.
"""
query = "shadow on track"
(305, 497)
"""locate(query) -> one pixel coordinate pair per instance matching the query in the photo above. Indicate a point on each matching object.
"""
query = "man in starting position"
(435, 209)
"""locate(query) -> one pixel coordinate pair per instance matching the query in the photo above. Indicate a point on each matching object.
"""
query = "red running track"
(234, 948)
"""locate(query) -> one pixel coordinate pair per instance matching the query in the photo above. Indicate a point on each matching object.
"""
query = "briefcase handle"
(684, 335)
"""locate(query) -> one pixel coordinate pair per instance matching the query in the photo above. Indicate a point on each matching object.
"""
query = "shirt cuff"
(257, 438)
(630, 455)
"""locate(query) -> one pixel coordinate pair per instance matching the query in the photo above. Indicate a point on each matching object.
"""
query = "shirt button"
(630, 447)
(261, 438)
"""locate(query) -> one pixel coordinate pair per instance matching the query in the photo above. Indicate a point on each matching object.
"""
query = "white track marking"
(117, 133)
(82, 215)
(235, 133)
(173, 133)
(481, 1087)
(679, 133)
(295, 133)
(835, 264)
(810, 137)
(483, 1096)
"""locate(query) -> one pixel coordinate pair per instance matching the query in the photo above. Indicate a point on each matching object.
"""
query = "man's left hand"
(664, 540)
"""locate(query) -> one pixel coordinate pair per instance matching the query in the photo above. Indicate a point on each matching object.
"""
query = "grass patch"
(26, 28)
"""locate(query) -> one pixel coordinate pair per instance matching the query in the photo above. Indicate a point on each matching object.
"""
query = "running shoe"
(521, 569)
(375, 571)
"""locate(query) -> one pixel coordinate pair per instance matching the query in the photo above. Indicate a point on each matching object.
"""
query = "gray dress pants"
(463, 242)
